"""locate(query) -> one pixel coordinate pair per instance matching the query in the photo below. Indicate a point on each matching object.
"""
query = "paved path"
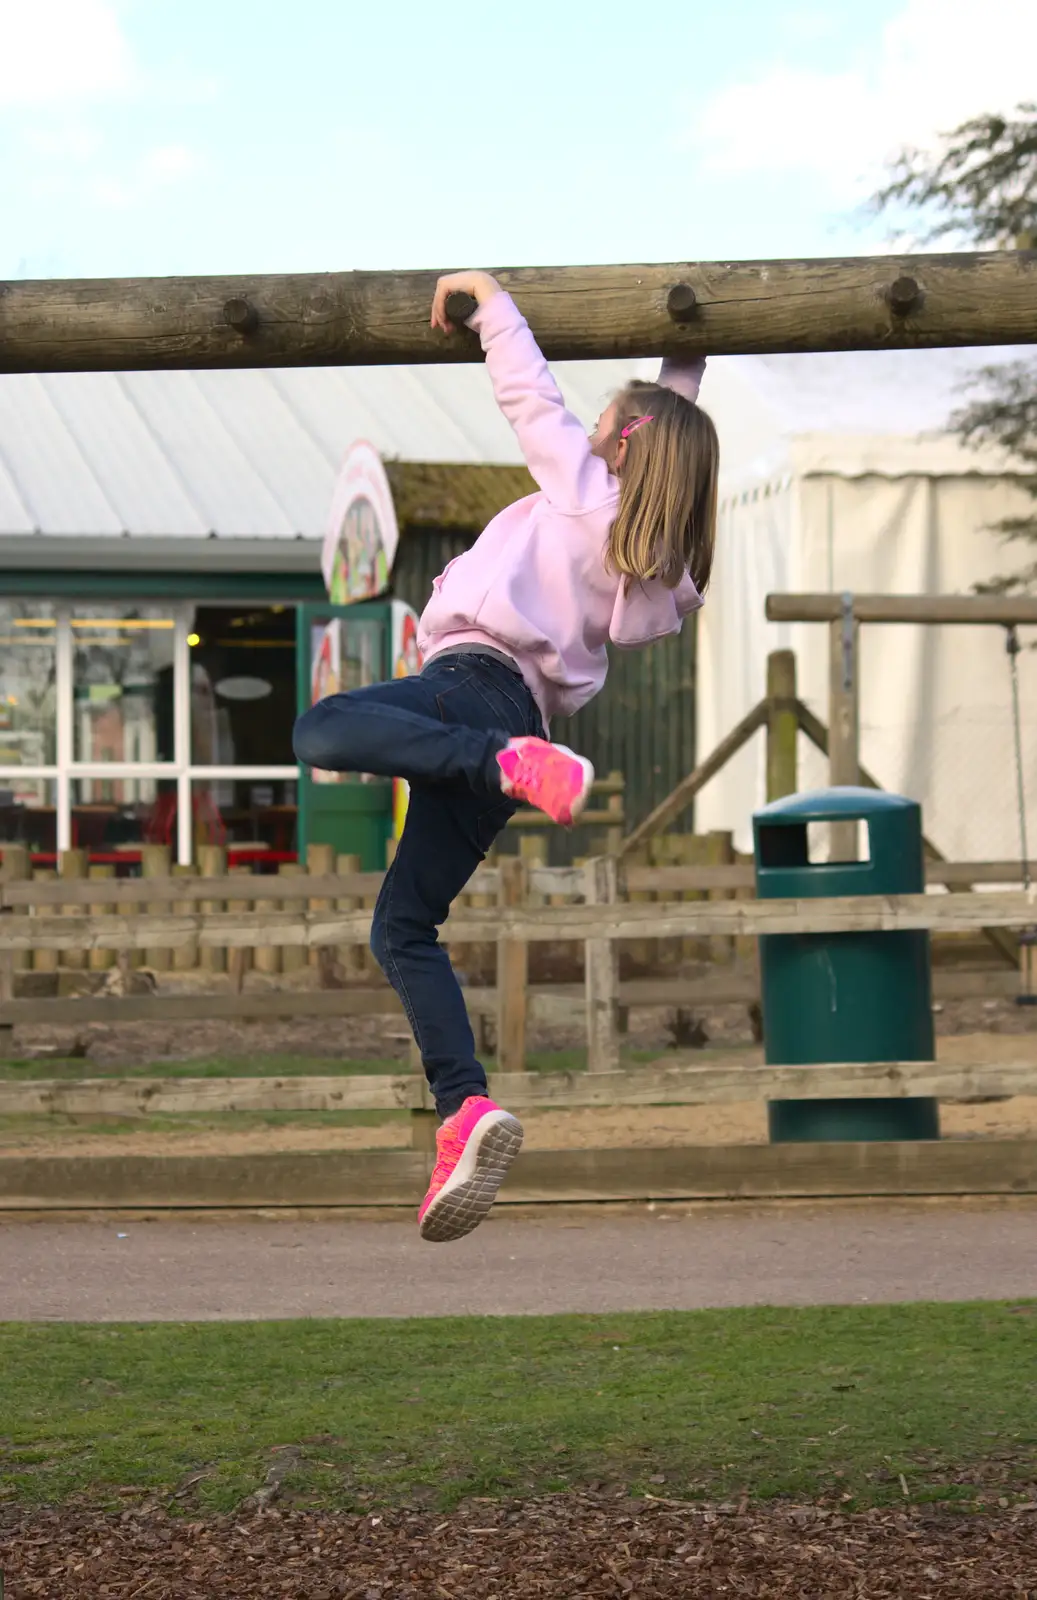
(590, 1262)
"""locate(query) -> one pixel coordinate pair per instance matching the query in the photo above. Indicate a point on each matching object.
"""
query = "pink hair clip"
(631, 427)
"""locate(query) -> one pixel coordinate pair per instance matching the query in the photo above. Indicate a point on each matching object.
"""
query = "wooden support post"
(423, 1125)
(350, 955)
(74, 864)
(293, 956)
(320, 862)
(156, 862)
(782, 725)
(212, 863)
(512, 973)
(601, 972)
(44, 960)
(844, 720)
(266, 958)
(720, 852)
(6, 996)
(185, 959)
(17, 868)
(481, 965)
(101, 960)
(239, 958)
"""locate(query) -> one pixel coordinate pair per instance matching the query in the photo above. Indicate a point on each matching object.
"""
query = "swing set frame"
(844, 615)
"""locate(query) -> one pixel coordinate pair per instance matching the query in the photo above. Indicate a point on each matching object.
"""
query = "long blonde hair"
(666, 522)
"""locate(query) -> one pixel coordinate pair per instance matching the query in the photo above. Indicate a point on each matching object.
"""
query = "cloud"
(937, 64)
(60, 51)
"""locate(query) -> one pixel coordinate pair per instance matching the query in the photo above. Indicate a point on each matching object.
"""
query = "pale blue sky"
(167, 136)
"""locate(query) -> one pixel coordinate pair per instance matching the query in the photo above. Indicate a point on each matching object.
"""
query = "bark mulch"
(568, 1547)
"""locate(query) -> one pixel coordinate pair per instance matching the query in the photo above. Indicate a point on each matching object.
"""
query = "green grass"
(258, 1065)
(771, 1402)
(56, 1125)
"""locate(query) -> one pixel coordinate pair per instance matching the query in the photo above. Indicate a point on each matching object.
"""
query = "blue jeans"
(441, 730)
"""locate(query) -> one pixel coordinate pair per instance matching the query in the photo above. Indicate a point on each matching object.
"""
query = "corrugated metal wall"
(643, 722)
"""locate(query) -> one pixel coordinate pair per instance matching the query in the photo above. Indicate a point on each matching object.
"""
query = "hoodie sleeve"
(553, 441)
(650, 611)
(683, 377)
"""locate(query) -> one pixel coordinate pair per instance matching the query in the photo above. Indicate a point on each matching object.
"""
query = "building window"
(122, 677)
(125, 724)
(28, 696)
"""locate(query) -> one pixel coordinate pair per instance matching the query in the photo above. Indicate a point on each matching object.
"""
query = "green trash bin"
(845, 996)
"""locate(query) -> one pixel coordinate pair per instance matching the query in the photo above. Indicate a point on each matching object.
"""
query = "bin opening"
(811, 844)
(827, 843)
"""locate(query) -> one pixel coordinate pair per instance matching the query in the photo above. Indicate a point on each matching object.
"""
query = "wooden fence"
(64, 919)
(328, 917)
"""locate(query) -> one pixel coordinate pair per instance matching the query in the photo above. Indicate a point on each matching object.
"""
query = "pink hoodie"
(534, 585)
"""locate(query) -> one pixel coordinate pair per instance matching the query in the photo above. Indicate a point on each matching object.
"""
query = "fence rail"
(670, 1081)
(536, 924)
(567, 881)
(597, 916)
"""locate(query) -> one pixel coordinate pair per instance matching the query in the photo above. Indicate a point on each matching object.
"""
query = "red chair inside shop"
(209, 827)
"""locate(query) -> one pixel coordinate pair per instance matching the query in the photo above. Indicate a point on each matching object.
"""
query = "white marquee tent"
(839, 474)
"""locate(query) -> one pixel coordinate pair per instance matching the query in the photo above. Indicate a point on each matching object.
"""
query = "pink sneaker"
(476, 1147)
(548, 776)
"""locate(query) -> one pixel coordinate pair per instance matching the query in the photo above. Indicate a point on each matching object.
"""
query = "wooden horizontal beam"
(968, 609)
(537, 924)
(126, 893)
(378, 318)
(671, 1081)
(549, 1003)
(393, 1177)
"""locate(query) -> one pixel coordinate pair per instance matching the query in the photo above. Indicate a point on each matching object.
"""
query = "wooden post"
(843, 719)
(293, 956)
(720, 852)
(17, 868)
(239, 957)
(101, 960)
(782, 725)
(212, 863)
(320, 861)
(74, 864)
(44, 960)
(266, 957)
(614, 806)
(512, 973)
(577, 313)
(156, 862)
(350, 955)
(480, 964)
(6, 996)
(601, 972)
(185, 958)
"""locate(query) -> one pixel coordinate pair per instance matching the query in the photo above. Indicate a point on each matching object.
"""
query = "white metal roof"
(243, 454)
(254, 454)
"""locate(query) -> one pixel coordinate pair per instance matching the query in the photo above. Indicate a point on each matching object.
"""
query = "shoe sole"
(588, 779)
(471, 1188)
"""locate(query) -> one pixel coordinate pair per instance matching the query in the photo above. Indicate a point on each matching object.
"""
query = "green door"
(340, 648)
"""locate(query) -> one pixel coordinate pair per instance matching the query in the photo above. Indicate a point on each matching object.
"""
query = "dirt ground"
(572, 1547)
(387, 1038)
